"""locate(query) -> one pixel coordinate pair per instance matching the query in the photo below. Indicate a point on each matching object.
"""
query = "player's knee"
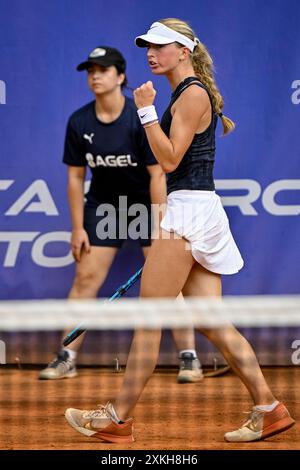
(86, 282)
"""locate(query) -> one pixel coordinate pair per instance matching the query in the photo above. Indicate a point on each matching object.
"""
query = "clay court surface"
(168, 416)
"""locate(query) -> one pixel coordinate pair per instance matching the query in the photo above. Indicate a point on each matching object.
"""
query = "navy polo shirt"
(117, 154)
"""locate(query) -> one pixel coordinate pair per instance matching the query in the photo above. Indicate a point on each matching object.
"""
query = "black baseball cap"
(105, 56)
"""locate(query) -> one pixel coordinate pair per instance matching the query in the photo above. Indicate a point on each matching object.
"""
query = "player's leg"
(237, 350)
(165, 272)
(268, 415)
(190, 370)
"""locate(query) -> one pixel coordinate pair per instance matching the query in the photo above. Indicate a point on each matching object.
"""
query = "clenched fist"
(144, 95)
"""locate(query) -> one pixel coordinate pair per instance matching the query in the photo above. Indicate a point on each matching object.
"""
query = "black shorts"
(114, 227)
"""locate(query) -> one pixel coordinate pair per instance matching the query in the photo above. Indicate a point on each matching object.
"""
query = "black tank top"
(195, 171)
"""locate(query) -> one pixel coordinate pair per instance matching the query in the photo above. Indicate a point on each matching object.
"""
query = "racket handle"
(72, 336)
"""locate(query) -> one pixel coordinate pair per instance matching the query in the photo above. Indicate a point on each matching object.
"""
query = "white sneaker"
(262, 424)
(62, 367)
(190, 369)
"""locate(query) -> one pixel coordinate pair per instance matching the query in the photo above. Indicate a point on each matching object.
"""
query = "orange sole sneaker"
(270, 423)
(116, 433)
(277, 421)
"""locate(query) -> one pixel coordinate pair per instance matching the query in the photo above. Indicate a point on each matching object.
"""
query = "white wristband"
(147, 114)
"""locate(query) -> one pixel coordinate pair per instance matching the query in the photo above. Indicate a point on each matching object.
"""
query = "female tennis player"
(107, 136)
(184, 145)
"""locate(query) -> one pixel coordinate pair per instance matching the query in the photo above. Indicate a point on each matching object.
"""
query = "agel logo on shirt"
(109, 160)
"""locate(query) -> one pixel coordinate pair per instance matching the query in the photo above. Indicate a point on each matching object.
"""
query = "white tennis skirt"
(199, 217)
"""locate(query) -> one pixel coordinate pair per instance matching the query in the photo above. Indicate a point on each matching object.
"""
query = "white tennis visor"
(161, 34)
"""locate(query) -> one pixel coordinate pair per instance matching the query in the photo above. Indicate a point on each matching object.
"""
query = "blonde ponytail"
(204, 69)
